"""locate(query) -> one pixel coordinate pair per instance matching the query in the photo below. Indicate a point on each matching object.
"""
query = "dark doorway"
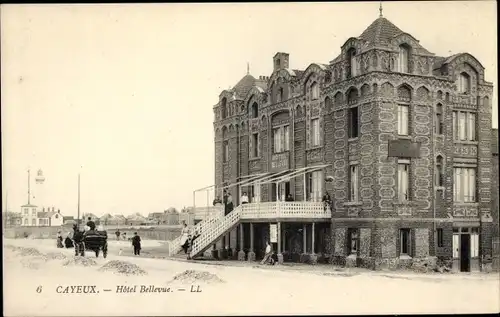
(465, 253)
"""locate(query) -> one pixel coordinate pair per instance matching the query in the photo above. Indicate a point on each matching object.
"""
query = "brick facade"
(376, 89)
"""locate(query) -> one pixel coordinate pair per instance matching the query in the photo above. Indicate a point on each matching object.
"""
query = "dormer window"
(352, 61)
(280, 95)
(464, 83)
(223, 108)
(315, 91)
(404, 59)
(255, 110)
(278, 63)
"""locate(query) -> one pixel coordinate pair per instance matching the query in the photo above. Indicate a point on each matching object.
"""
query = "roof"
(381, 31)
(298, 73)
(44, 214)
(244, 85)
(68, 218)
(29, 205)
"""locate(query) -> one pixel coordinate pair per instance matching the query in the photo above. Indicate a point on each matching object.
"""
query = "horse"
(78, 237)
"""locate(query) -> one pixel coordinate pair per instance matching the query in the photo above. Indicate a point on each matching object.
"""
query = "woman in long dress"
(185, 237)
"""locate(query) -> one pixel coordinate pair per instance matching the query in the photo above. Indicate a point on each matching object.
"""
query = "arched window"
(463, 83)
(255, 110)
(352, 61)
(280, 95)
(438, 119)
(404, 59)
(439, 171)
(315, 91)
(224, 108)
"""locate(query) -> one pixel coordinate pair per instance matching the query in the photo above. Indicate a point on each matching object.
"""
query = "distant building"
(29, 217)
(117, 220)
(69, 220)
(12, 219)
(50, 218)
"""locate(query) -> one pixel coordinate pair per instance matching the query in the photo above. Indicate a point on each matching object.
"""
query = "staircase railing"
(174, 246)
(214, 231)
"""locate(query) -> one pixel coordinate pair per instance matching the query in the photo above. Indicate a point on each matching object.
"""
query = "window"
(315, 132)
(33, 222)
(278, 63)
(403, 180)
(25, 222)
(255, 110)
(464, 184)
(281, 139)
(223, 108)
(403, 59)
(464, 83)
(439, 171)
(404, 242)
(352, 62)
(438, 119)
(277, 140)
(403, 119)
(255, 145)
(281, 95)
(255, 193)
(464, 126)
(474, 243)
(314, 185)
(26, 211)
(440, 238)
(353, 183)
(225, 151)
(286, 138)
(353, 240)
(353, 127)
(314, 91)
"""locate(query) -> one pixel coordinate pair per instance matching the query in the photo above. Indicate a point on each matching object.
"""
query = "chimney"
(281, 61)
(53, 208)
(58, 211)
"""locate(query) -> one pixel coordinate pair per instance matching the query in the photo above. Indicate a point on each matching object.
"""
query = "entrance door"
(284, 190)
(465, 252)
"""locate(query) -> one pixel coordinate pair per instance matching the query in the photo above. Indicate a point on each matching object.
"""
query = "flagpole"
(78, 221)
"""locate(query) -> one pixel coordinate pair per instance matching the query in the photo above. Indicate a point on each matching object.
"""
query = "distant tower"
(40, 195)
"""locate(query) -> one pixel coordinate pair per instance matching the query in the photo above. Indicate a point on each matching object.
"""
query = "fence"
(148, 233)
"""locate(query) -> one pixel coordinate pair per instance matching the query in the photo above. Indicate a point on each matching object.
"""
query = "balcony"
(291, 211)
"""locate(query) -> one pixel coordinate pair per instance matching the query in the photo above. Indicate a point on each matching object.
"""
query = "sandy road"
(244, 290)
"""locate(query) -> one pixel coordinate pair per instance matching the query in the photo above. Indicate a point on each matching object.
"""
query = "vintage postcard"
(250, 158)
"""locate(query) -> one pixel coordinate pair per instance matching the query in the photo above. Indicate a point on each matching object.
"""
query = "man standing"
(91, 224)
(136, 243)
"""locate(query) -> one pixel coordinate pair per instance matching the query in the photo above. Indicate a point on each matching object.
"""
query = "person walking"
(117, 234)
(268, 253)
(136, 243)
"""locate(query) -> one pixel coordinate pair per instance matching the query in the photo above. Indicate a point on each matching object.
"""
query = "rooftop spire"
(248, 68)
(380, 9)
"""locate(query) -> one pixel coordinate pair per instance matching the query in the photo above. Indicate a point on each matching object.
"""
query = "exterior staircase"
(174, 246)
(214, 230)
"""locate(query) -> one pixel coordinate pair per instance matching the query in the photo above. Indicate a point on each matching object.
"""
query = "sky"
(123, 94)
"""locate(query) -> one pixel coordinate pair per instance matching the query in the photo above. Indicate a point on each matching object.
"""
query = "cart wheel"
(105, 250)
(82, 249)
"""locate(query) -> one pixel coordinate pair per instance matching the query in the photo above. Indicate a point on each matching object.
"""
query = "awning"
(241, 178)
(276, 178)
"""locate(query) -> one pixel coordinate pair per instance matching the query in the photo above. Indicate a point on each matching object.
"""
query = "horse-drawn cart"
(91, 240)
